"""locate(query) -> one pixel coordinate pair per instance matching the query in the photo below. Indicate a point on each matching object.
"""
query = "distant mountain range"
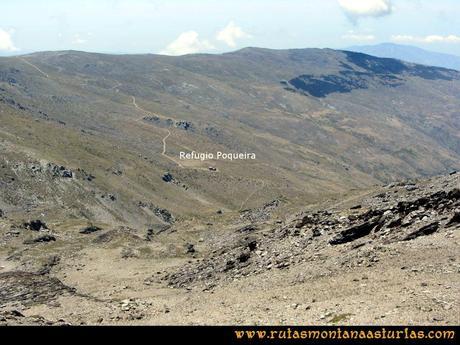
(410, 54)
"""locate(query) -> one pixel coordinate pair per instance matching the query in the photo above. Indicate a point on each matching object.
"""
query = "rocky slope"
(384, 255)
(401, 212)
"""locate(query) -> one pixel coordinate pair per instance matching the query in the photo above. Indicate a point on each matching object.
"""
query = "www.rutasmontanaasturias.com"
(204, 156)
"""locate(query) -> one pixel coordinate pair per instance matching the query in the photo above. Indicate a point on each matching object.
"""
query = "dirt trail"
(166, 137)
(164, 150)
(34, 66)
(164, 142)
(255, 191)
(116, 86)
(149, 112)
(167, 130)
(193, 168)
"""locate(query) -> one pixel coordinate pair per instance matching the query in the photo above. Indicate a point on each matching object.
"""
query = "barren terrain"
(348, 215)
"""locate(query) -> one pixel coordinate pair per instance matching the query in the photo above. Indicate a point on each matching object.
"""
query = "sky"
(176, 27)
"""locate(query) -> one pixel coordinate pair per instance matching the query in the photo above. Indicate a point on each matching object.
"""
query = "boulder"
(164, 214)
(304, 221)
(150, 234)
(243, 256)
(41, 239)
(423, 231)
(59, 171)
(35, 225)
(252, 245)
(454, 220)
(454, 194)
(185, 125)
(353, 233)
(90, 229)
(66, 174)
(316, 232)
(167, 177)
(411, 187)
(229, 265)
(190, 248)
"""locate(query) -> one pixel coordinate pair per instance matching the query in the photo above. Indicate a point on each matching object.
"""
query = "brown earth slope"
(389, 256)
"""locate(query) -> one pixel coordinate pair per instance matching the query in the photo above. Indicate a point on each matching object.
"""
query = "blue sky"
(177, 27)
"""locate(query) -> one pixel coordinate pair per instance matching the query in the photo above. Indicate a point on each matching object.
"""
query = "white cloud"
(358, 37)
(355, 9)
(426, 39)
(6, 42)
(230, 34)
(187, 43)
(77, 39)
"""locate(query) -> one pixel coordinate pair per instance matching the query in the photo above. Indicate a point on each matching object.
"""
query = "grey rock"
(90, 229)
(354, 233)
(41, 239)
(190, 248)
(35, 225)
(411, 188)
(168, 177)
(454, 220)
(423, 231)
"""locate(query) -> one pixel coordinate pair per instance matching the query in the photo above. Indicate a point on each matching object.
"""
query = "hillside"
(96, 138)
(386, 255)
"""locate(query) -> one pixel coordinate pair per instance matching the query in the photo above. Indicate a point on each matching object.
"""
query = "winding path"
(164, 142)
(251, 195)
(167, 130)
(138, 107)
(244, 202)
(116, 86)
(34, 66)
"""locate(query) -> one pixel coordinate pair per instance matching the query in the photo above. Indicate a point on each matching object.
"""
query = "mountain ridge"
(411, 54)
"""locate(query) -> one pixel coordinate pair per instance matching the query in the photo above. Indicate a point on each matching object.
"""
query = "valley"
(348, 213)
